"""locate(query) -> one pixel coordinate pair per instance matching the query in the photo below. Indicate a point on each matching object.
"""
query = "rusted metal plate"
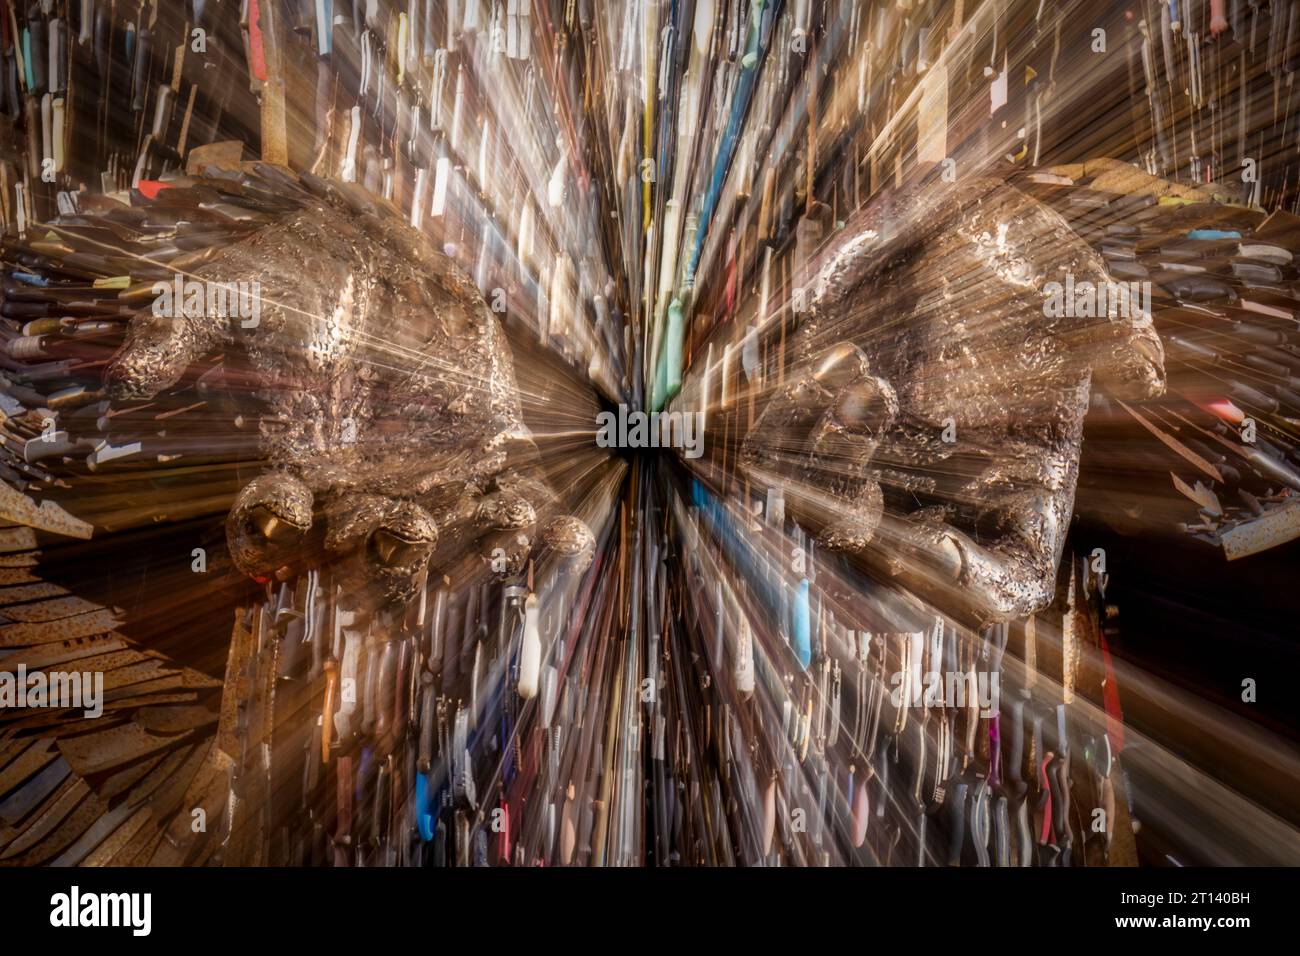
(64, 652)
(167, 683)
(1267, 531)
(102, 750)
(66, 802)
(122, 780)
(47, 632)
(83, 816)
(108, 661)
(119, 839)
(197, 680)
(30, 592)
(142, 847)
(34, 758)
(17, 539)
(146, 670)
(52, 610)
(168, 795)
(146, 700)
(47, 516)
(170, 720)
(17, 805)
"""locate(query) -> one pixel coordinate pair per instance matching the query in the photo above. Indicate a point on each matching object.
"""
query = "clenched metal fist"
(393, 418)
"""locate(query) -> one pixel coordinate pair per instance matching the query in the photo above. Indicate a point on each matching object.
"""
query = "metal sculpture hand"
(391, 414)
(975, 440)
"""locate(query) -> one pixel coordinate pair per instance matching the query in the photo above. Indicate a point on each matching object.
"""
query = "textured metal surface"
(392, 413)
(1268, 531)
(970, 398)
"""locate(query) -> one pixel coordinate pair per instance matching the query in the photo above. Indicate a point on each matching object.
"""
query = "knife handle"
(1013, 754)
(379, 808)
(956, 803)
(102, 32)
(143, 48)
(38, 47)
(1001, 833)
(979, 822)
(861, 815)
(1060, 775)
(882, 779)
(1108, 808)
(427, 721)
(387, 688)
(1036, 748)
(1024, 838)
(919, 758)
(86, 22)
(327, 711)
(11, 83)
(58, 56)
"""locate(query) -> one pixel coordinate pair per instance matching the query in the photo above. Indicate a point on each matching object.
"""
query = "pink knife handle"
(1218, 21)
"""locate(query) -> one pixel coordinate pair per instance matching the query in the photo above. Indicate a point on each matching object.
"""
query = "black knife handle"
(1013, 752)
(101, 43)
(956, 802)
(1060, 773)
(39, 49)
(1024, 848)
(143, 48)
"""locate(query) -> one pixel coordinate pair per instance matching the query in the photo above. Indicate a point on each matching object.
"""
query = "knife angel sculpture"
(378, 453)
(376, 384)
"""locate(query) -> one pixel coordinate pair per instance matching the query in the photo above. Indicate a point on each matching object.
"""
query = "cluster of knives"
(625, 180)
(1224, 292)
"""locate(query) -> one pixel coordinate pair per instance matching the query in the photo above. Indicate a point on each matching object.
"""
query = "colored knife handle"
(387, 687)
(327, 711)
(1218, 19)
(861, 809)
(1060, 774)
(801, 627)
(423, 808)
